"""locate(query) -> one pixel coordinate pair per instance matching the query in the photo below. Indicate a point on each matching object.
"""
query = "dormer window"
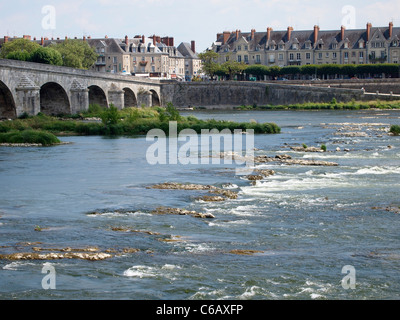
(294, 46)
(361, 45)
(239, 48)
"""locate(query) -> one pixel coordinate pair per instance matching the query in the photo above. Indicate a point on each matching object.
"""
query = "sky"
(186, 20)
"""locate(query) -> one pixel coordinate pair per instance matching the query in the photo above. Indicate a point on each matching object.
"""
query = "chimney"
(316, 30)
(27, 37)
(342, 32)
(193, 46)
(42, 41)
(84, 38)
(106, 37)
(289, 33)
(126, 40)
(158, 39)
(226, 36)
(143, 38)
(269, 33)
(66, 38)
(369, 26)
(237, 35)
(390, 29)
(154, 39)
(5, 39)
(253, 31)
(171, 41)
(89, 37)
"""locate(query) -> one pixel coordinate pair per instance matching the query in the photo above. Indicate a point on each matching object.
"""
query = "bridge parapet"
(32, 88)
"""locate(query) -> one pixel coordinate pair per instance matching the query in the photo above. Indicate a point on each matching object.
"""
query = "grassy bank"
(29, 136)
(127, 122)
(333, 105)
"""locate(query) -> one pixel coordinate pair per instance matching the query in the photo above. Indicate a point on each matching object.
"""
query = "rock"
(245, 252)
(182, 212)
(265, 172)
(283, 156)
(310, 162)
(308, 149)
(254, 177)
(212, 198)
(180, 186)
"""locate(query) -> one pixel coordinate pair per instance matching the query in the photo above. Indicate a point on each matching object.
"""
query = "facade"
(290, 47)
(141, 56)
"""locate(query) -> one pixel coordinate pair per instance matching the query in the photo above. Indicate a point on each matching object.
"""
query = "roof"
(327, 37)
(186, 50)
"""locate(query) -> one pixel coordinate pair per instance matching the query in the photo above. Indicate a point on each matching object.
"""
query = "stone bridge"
(31, 88)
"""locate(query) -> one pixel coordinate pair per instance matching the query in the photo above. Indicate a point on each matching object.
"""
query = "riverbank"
(333, 105)
(127, 122)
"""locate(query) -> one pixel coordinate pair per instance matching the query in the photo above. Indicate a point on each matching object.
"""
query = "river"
(310, 232)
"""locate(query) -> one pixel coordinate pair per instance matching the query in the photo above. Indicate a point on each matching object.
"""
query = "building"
(291, 47)
(141, 56)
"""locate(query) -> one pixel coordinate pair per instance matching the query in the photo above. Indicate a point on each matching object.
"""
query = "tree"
(210, 66)
(47, 55)
(232, 67)
(18, 48)
(257, 70)
(76, 53)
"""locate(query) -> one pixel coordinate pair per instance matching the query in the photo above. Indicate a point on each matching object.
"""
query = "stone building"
(141, 56)
(292, 47)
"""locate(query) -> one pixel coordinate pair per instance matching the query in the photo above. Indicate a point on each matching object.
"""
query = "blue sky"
(187, 20)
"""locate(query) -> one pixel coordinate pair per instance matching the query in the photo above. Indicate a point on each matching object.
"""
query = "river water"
(304, 223)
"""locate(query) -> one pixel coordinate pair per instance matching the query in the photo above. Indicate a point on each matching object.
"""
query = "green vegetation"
(323, 147)
(395, 129)
(69, 53)
(128, 122)
(333, 105)
(30, 137)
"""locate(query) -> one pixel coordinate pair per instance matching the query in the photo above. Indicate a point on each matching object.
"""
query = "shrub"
(110, 116)
(29, 136)
(395, 129)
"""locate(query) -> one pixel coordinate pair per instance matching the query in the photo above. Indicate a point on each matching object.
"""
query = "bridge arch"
(130, 100)
(97, 96)
(54, 99)
(7, 103)
(155, 98)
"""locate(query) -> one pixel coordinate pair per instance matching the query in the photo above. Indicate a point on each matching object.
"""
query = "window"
(353, 54)
(308, 56)
(299, 56)
(294, 46)
(258, 58)
(383, 54)
(115, 59)
(272, 58)
(280, 57)
(346, 55)
(246, 48)
(320, 55)
(361, 55)
(239, 58)
(239, 48)
(334, 55)
(327, 55)
(246, 58)
(291, 57)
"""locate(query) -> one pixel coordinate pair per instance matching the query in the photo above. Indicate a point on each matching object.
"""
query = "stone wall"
(228, 94)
